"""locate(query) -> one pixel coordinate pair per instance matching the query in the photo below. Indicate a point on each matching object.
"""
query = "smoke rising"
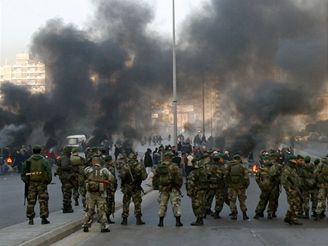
(267, 59)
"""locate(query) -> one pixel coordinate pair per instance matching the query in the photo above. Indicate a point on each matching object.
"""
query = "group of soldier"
(212, 176)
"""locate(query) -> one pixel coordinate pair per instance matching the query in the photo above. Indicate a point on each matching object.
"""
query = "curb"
(62, 231)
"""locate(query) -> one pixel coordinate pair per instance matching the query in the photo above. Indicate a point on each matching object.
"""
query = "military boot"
(234, 216)
(256, 216)
(67, 209)
(30, 221)
(295, 222)
(307, 214)
(288, 220)
(124, 221)
(274, 215)
(44, 221)
(245, 217)
(109, 220)
(270, 216)
(209, 212)
(76, 202)
(161, 222)
(217, 215)
(104, 228)
(198, 222)
(139, 221)
(314, 214)
(178, 221)
(85, 228)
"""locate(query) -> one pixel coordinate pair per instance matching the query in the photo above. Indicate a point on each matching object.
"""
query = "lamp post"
(175, 100)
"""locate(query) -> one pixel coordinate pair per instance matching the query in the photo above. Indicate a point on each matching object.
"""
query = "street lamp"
(175, 100)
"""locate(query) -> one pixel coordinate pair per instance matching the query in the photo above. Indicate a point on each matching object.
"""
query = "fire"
(9, 160)
(255, 168)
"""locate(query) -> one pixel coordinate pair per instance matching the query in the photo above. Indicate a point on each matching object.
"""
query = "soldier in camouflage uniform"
(238, 181)
(301, 173)
(275, 175)
(315, 193)
(206, 162)
(197, 185)
(168, 180)
(310, 187)
(97, 180)
(216, 175)
(36, 174)
(68, 179)
(132, 174)
(322, 178)
(291, 183)
(263, 179)
(109, 164)
(78, 164)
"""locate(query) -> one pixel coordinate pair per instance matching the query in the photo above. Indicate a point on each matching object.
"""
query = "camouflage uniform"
(216, 174)
(238, 181)
(197, 185)
(168, 180)
(68, 179)
(36, 173)
(310, 191)
(267, 196)
(322, 177)
(291, 183)
(111, 189)
(275, 174)
(78, 165)
(132, 174)
(98, 179)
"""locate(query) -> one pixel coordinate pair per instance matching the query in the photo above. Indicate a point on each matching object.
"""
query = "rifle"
(27, 181)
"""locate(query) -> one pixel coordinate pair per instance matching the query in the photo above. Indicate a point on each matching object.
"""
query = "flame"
(255, 168)
(9, 160)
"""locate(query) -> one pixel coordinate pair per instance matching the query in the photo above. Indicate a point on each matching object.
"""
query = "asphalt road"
(12, 209)
(214, 232)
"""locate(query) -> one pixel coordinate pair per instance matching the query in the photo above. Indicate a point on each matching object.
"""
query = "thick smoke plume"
(267, 59)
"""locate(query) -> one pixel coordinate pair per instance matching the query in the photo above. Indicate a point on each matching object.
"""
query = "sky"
(19, 19)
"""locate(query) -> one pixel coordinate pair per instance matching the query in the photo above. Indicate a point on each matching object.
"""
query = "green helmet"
(307, 159)
(75, 150)
(108, 158)
(67, 150)
(316, 161)
(217, 156)
(236, 157)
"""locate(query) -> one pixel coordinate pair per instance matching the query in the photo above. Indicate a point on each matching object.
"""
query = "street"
(12, 209)
(214, 232)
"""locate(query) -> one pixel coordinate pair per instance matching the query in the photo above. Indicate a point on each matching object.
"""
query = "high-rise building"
(25, 72)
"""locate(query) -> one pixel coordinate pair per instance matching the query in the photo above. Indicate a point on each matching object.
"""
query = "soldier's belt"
(33, 173)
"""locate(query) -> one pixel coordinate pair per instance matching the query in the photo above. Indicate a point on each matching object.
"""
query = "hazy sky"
(19, 19)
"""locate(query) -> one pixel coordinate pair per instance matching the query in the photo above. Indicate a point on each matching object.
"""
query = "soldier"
(132, 174)
(291, 183)
(322, 178)
(36, 174)
(316, 190)
(110, 199)
(78, 164)
(216, 175)
(98, 179)
(238, 181)
(168, 180)
(263, 179)
(67, 178)
(310, 187)
(275, 175)
(300, 171)
(206, 162)
(197, 185)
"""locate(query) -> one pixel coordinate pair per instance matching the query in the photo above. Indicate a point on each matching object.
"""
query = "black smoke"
(267, 59)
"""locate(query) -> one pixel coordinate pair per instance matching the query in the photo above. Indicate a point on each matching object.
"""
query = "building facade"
(26, 72)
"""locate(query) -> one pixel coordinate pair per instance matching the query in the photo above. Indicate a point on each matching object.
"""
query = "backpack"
(236, 173)
(76, 160)
(265, 180)
(92, 184)
(37, 173)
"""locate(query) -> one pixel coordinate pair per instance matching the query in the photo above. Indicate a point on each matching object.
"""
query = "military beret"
(36, 147)
(218, 156)
(108, 158)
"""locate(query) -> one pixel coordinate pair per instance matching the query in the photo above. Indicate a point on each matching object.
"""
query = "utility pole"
(203, 95)
(175, 100)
